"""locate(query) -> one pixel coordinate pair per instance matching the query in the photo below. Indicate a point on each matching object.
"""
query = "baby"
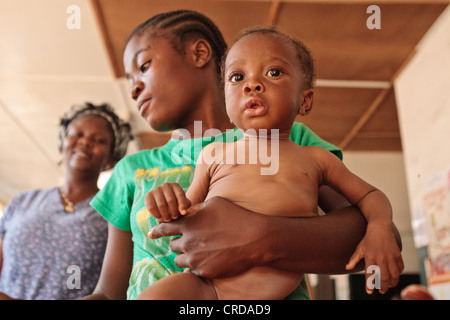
(268, 78)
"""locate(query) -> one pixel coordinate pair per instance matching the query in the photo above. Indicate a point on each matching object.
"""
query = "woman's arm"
(223, 239)
(116, 269)
(1, 256)
(3, 296)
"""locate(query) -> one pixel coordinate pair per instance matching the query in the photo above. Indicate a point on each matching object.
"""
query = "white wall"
(423, 99)
(46, 68)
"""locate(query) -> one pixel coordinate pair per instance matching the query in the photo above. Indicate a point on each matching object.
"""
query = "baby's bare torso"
(291, 192)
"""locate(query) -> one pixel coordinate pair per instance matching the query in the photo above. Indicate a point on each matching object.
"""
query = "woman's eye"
(74, 134)
(236, 77)
(100, 140)
(144, 66)
(274, 73)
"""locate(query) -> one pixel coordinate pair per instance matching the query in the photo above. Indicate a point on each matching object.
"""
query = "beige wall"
(423, 99)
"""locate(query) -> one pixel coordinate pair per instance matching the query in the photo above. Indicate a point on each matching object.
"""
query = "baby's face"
(263, 83)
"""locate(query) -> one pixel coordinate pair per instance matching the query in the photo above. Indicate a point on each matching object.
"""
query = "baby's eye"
(274, 73)
(144, 66)
(236, 77)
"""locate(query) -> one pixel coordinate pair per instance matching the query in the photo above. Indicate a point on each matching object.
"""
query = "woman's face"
(88, 145)
(163, 81)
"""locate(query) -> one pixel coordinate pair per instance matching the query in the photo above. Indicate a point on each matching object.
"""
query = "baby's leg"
(180, 286)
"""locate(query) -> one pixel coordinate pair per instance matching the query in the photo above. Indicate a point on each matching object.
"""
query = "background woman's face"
(88, 144)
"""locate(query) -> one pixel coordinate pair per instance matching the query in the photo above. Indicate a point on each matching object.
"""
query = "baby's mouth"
(255, 107)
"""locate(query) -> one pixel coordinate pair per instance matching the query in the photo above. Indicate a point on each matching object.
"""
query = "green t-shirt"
(121, 200)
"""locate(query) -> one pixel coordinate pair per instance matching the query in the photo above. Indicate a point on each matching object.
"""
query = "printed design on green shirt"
(159, 260)
(148, 179)
(157, 248)
(145, 273)
(301, 292)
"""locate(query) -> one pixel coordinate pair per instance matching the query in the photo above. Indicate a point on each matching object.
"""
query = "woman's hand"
(216, 238)
(224, 239)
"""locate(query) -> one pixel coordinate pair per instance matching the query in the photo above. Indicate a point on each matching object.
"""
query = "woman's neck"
(78, 190)
(208, 119)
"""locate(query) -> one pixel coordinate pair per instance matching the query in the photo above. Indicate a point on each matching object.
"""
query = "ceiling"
(354, 102)
(47, 67)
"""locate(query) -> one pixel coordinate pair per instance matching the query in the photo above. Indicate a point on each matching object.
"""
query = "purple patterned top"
(49, 253)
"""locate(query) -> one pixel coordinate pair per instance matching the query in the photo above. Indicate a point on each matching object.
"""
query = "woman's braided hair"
(183, 25)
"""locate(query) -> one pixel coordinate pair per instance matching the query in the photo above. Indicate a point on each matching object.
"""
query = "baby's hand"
(167, 202)
(379, 248)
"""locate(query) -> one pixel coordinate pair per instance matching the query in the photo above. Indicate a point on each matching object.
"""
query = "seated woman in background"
(52, 242)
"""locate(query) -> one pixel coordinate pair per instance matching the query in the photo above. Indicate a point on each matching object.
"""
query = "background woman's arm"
(116, 269)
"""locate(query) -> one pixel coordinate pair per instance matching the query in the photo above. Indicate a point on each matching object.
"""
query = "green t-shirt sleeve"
(302, 135)
(113, 201)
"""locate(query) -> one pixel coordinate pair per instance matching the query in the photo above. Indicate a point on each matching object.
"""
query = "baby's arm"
(169, 200)
(378, 246)
(198, 190)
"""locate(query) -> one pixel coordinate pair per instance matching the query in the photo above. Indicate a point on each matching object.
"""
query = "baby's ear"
(201, 52)
(306, 102)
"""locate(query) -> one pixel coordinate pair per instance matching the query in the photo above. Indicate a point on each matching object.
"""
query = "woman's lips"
(82, 154)
(143, 104)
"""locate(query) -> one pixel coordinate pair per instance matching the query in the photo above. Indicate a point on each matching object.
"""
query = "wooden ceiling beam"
(274, 13)
(379, 134)
(361, 84)
(96, 6)
(365, 117)
(374, 105)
